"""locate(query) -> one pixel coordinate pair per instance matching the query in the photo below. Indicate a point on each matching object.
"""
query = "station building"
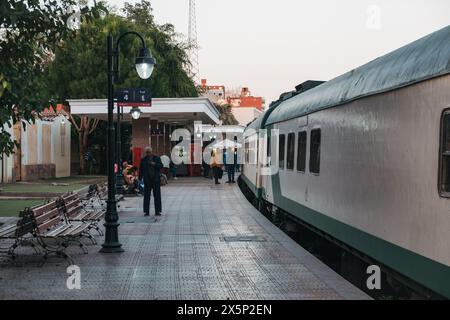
(156, 123)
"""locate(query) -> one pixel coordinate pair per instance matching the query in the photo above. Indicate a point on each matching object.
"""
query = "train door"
(293, 175)
(253, 141)
(265, 165)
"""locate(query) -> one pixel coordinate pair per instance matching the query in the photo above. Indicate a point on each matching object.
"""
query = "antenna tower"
(193, 43)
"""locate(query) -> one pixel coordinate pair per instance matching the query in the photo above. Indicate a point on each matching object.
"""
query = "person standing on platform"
(231, 167)
(237, 165)
(216, 165)
(150, 171)
(205, 169)
(173, 170)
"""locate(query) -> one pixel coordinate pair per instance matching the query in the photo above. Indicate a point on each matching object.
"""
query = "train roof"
(423, 59)
(259, 123)
(256, 123)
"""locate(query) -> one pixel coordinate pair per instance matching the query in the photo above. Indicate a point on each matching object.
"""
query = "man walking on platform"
(150, 171)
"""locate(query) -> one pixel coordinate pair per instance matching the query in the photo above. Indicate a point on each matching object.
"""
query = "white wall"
(34, 154)
(244, 115)
(61, 146)
(7, 164)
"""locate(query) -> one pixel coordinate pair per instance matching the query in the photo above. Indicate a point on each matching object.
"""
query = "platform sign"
(134, 97)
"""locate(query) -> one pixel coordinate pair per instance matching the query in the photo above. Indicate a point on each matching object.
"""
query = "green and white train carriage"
(365, 158)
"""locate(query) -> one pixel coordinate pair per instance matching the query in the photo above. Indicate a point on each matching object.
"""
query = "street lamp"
(145, 64)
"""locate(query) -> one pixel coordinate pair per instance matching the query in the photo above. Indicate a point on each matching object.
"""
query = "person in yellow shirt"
(216, 165)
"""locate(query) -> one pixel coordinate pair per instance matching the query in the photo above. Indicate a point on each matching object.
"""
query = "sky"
(271, 46)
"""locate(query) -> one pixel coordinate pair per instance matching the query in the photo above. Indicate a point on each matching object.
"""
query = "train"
(364, 158)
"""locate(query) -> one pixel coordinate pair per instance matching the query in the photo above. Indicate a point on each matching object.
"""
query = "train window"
(314, 152)
(281, 151)
(444, 167)
(252, 151)
(266, 162)
(290, 151)
(301, 151)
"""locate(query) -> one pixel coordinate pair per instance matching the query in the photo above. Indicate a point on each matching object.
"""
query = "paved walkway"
(191, 252)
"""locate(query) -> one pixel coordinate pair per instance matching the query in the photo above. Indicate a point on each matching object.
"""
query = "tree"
(226, 115)
(84, 127)
(78, 69)
(29, 32)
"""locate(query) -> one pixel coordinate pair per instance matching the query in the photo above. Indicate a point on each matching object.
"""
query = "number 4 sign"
(134, 97)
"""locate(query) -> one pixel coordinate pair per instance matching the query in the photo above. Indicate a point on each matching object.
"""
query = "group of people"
(147, 179)
(218, 165)
(130, 178)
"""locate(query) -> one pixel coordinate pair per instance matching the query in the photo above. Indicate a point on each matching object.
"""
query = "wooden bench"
(97, 197)
(19, 234)
(90, 198)
(49, 227)
(52, 225)
(72, 207)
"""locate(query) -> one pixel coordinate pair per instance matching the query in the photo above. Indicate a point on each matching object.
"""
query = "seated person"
(130, 178)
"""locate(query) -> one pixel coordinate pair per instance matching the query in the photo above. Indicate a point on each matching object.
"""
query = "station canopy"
(176, 111)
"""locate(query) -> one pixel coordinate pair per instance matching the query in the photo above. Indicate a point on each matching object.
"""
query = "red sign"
(134, 104)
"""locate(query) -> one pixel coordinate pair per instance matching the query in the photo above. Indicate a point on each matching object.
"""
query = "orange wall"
(251, 102)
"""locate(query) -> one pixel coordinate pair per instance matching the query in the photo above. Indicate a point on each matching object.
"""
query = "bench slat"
(56, 232)
(75, 229)
(74, 211)
(40, 209)
(47, 216)
(7, 231)
(97, 215)
(70, 198)
(74, 203)
(80, 216)
(49, 224)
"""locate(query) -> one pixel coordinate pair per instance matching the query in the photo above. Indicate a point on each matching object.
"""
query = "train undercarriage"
(350, 263)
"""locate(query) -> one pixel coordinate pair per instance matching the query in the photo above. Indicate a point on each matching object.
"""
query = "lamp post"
(119, 175)
(144, 67)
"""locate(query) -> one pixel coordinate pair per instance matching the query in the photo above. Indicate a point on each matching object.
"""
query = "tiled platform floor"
(183, 255)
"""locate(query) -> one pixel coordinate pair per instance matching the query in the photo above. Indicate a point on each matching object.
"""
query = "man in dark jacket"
(150, 171)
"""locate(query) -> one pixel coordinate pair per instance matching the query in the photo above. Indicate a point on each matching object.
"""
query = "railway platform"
(209, 243)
